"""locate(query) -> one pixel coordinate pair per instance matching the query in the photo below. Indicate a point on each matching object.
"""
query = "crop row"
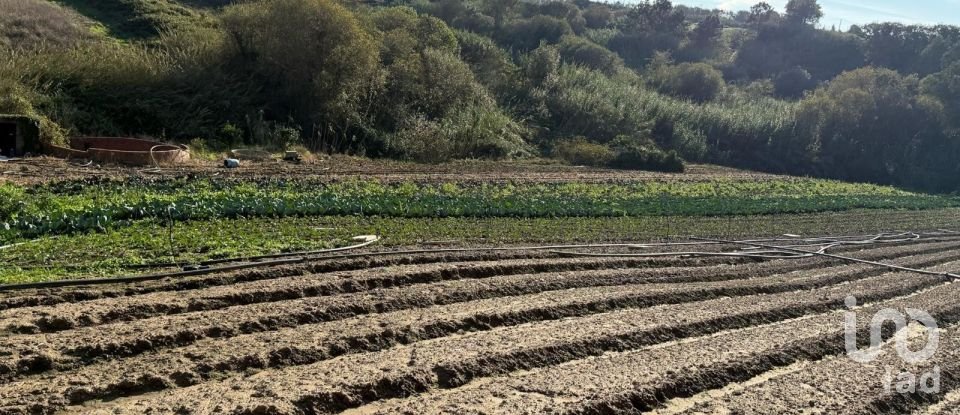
(63, 208)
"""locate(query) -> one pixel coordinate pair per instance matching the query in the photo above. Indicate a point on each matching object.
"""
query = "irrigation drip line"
(772, 252)
(955, 277)
(637, 246)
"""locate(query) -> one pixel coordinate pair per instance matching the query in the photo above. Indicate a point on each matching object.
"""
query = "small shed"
(19, 134)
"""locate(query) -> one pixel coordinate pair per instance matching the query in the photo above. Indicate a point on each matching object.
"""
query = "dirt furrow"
(39, 297)
(841, 385)
(91, 313)
(949, 404)
(353, 380)
(25, 354)
(642, 380)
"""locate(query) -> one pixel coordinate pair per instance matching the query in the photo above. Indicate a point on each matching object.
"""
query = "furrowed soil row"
(353, 380)
(96, 312)
(41, 297)
(949, 404)
(841, 385)
(642, 380)
(468, 305)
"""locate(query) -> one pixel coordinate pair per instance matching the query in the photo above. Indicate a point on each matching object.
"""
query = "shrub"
(579, 151)
(639, 154)
(312, 55)
(598, 16)
(793, 83)
(470, 132)
(867, 125)
(584, 102)
(697, 81)
(577, 50)
(527, 34)
(491, 65)
(19, 100)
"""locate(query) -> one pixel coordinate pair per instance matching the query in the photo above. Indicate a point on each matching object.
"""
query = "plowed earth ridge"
(495, 332)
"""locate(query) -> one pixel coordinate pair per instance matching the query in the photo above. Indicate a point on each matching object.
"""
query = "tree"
(598, 16)
(804, 11)
(584, 52)
(313, 55)
(649, 27)
(697, 81)
(869, 125)
(762, 13)
(945, 86)
(527, 34)
(792, 83)
(658, 16)
(707, 31)
(500, 9)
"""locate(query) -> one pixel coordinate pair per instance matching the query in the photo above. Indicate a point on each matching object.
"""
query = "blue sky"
(843, 13)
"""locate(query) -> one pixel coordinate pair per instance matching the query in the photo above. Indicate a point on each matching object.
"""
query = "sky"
(843, 13)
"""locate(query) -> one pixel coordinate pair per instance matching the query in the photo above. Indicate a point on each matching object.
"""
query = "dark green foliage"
(707, 31)
(697, 81)
(598, 16)
(792, 83)
(527, 34)
(804, 11)
(871, 125)
(638, 154)
(824, 54)
(315, 58)
(945, 86)
(584, 52)
(649, 27)
(492, 66)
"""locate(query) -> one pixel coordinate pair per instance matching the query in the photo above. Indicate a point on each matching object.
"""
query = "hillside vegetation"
(645, 86)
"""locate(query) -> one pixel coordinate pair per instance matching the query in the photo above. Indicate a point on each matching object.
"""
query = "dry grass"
(27, 24)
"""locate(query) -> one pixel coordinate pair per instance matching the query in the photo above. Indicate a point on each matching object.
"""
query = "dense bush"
(640, 154)
(697, 81)
(578, 50)
(581, 152)
(584, 102)
(869, 124)
(527, 34)
(314, 57)
(471, 132)
(793, 83)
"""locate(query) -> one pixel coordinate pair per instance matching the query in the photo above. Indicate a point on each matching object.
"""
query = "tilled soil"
(508, 332)
(46, 169)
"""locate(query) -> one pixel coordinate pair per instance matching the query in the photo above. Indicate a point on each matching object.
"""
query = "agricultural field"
(532, 330)
(473, 289)
(52, 211)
